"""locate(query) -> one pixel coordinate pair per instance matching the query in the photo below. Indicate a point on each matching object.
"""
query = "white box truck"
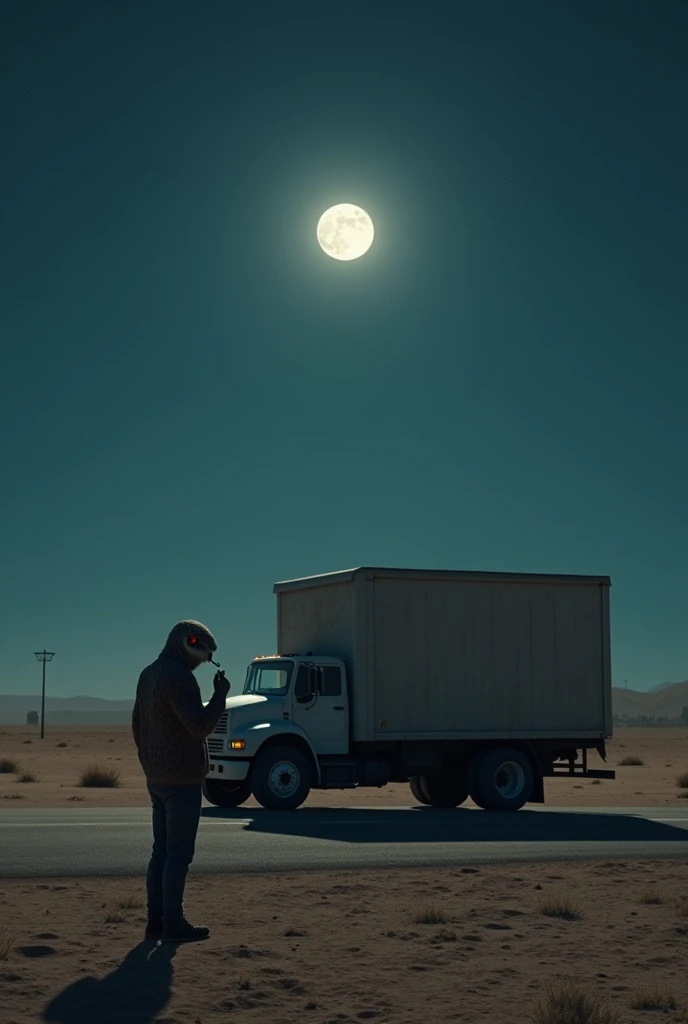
(477, 684)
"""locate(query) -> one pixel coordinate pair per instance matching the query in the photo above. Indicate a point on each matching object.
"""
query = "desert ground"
(57, 760)
(433, 945)
(437, 945)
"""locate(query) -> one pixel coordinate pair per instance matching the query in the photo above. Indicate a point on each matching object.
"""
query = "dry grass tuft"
(561, 905)
(130, 902)
(28, 777)
(684, 795)
(100, 776)
(652, 896)
(28, 741)
(63, 744)
(114, 917)
(8, 766)
(115, 907)
(244, 982)
(652, 997)
(682, 780)
(7, 942)
(596, 782)
(75, 799)
(430, 915)
(13, 796)
(631, 759)
(568, 1003)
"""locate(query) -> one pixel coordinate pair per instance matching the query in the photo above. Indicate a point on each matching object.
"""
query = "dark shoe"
(154, 930)
(182, 931)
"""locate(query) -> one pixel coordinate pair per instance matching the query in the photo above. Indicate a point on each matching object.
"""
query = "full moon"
(345, 232)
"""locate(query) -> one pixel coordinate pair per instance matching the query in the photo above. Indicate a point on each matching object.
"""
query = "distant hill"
(659, 686)
(666, 701)
(65, 710)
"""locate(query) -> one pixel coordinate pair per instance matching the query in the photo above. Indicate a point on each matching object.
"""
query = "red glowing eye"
(193, 641)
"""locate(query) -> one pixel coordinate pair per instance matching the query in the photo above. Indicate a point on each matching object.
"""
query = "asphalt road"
(116, 841)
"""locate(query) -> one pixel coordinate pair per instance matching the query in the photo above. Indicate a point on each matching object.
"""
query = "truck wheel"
(442, 790)
(281, 778)
(502, 780)
(417, 792)
(224, 793)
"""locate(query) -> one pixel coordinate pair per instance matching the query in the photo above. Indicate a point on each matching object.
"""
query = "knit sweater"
(170, 723)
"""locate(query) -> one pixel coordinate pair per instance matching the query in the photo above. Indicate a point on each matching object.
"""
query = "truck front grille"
(221, 726)
(215, 746)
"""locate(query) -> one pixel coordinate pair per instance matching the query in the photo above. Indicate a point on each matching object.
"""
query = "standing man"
(170, 725)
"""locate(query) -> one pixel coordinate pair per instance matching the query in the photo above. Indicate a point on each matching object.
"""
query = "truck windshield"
(269, 678)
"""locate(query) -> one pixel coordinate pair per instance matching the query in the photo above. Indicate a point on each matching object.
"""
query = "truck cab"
(294, 710)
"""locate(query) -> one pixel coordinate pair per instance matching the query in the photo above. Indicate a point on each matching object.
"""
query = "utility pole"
(44, 656)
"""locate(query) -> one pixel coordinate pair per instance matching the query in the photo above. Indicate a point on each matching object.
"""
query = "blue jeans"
(176, 813)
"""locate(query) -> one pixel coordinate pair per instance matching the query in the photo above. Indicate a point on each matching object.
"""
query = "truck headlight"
(237, 744)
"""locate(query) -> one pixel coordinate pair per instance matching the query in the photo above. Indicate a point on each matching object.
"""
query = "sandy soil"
(348, 947)
(58, 758)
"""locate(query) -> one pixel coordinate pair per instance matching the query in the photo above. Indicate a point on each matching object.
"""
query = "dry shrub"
(652, 997)
(652, 896)
(430, 915)
(130, 902)
(561, 905)
(568, 1003)
(114, 917)
(115, 907)
(27, 777)
(8, 766)
(7, 942)
(631, 759)
(682, 781)
(596, 782)
(99, 776)
(13, 796)
(63, 744)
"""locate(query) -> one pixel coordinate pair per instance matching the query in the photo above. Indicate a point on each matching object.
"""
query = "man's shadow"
(135, 992)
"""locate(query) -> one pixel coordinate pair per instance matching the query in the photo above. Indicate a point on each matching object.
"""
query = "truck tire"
(281, 778)
(417, 792)
(224, 793)
(502, 780)
(442, 790)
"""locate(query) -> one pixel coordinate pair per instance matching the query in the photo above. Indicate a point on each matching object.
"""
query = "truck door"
(325, 717)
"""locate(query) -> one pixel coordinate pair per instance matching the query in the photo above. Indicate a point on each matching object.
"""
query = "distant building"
(32, 718)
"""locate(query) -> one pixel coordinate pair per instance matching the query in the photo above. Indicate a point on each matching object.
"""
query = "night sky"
(198, 402)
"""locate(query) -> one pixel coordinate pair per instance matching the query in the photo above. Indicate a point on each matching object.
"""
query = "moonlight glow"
(345, 232)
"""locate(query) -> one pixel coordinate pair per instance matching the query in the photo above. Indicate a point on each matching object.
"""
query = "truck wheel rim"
(284, 779)
(509, 780)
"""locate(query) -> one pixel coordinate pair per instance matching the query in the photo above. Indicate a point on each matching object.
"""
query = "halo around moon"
(345, 232)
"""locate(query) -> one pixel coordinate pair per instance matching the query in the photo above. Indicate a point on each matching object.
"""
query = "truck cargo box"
(451, 655)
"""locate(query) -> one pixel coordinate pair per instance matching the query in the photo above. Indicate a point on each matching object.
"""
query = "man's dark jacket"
(170, 723)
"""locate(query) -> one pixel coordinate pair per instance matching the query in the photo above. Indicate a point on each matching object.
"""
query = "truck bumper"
(233, 770)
